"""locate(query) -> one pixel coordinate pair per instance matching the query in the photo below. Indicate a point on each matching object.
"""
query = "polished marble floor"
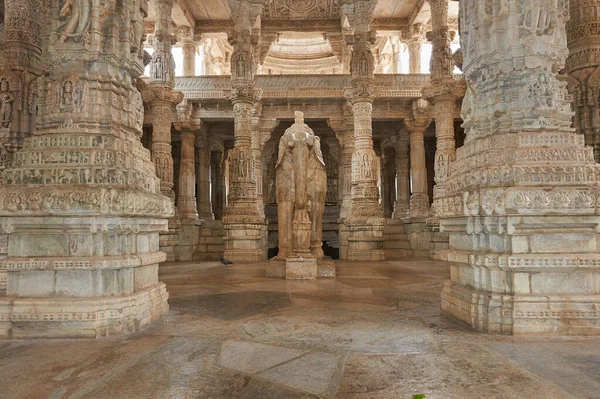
(374, 332)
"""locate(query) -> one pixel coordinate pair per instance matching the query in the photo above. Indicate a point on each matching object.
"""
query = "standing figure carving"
(301, 182)
(6, 107)
(76, 14)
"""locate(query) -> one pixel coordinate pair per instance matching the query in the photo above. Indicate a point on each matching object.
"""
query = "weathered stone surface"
(301, 268)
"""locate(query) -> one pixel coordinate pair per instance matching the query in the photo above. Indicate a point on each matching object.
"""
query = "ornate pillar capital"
(359, 14)
(417, 125)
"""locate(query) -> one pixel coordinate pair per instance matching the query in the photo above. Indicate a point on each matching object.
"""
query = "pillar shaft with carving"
(582, 66)
(189, 48)
(414, 43)
(205, 210)
(402, 204)
(419, 199)
(186, 199)
(245, 239)
(261, 133)
(218, 183)
(365, 219)
(20, 68)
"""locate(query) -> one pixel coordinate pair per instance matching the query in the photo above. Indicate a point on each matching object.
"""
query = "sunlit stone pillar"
(203, 176)
(81, 202)
(402, 204)
(396, 50)
(419, 199)
(582, 66)
(189, 47)
(245, 228)
(520, 206)
(365, 219)
(415, 44)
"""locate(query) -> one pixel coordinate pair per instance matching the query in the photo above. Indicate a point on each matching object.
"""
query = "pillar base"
(82, 317)
(245, 242)
(187, 239)
(523, 314)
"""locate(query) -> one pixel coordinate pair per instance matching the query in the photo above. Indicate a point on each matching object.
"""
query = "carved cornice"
(303, 86)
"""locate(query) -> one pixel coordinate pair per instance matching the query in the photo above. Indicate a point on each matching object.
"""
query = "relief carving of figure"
(240, 67)
(70, 95)
(6, 101)
(301, 182)
(76, 16)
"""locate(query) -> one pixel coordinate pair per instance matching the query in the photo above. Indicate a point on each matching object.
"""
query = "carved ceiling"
(302, 9)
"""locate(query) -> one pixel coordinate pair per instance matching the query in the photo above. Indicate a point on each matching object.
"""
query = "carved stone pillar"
(245, 239)
(582, 66)
(419, 199)
(402, 204)
(261, 133)
(383, 182)
(443, 94)
(20, 68)
(81, 202)
(365, 219)
(415, 45)
(186, 198)
(218, 183)
(345, 137)
(203, 176)
(162, 100)
(189, 47)
(396, 50)
(520, 205)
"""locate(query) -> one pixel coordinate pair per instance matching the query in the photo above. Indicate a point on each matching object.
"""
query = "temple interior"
(299, 198)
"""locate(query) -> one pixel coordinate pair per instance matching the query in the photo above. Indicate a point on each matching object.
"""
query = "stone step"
(395, 229)
(395, 237)
(396, 245)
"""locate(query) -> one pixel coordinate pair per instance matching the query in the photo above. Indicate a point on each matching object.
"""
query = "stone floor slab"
(312, 373)
(252, 358)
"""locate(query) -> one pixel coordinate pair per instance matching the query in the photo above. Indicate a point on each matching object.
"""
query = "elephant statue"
(301, 187)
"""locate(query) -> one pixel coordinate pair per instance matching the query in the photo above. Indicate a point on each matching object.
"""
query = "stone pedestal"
(277, 268)
(301, 268)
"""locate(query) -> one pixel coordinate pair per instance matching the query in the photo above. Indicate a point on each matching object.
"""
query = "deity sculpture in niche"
(70, 94)
(6, 104)
(301, 182)
(76, 19)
